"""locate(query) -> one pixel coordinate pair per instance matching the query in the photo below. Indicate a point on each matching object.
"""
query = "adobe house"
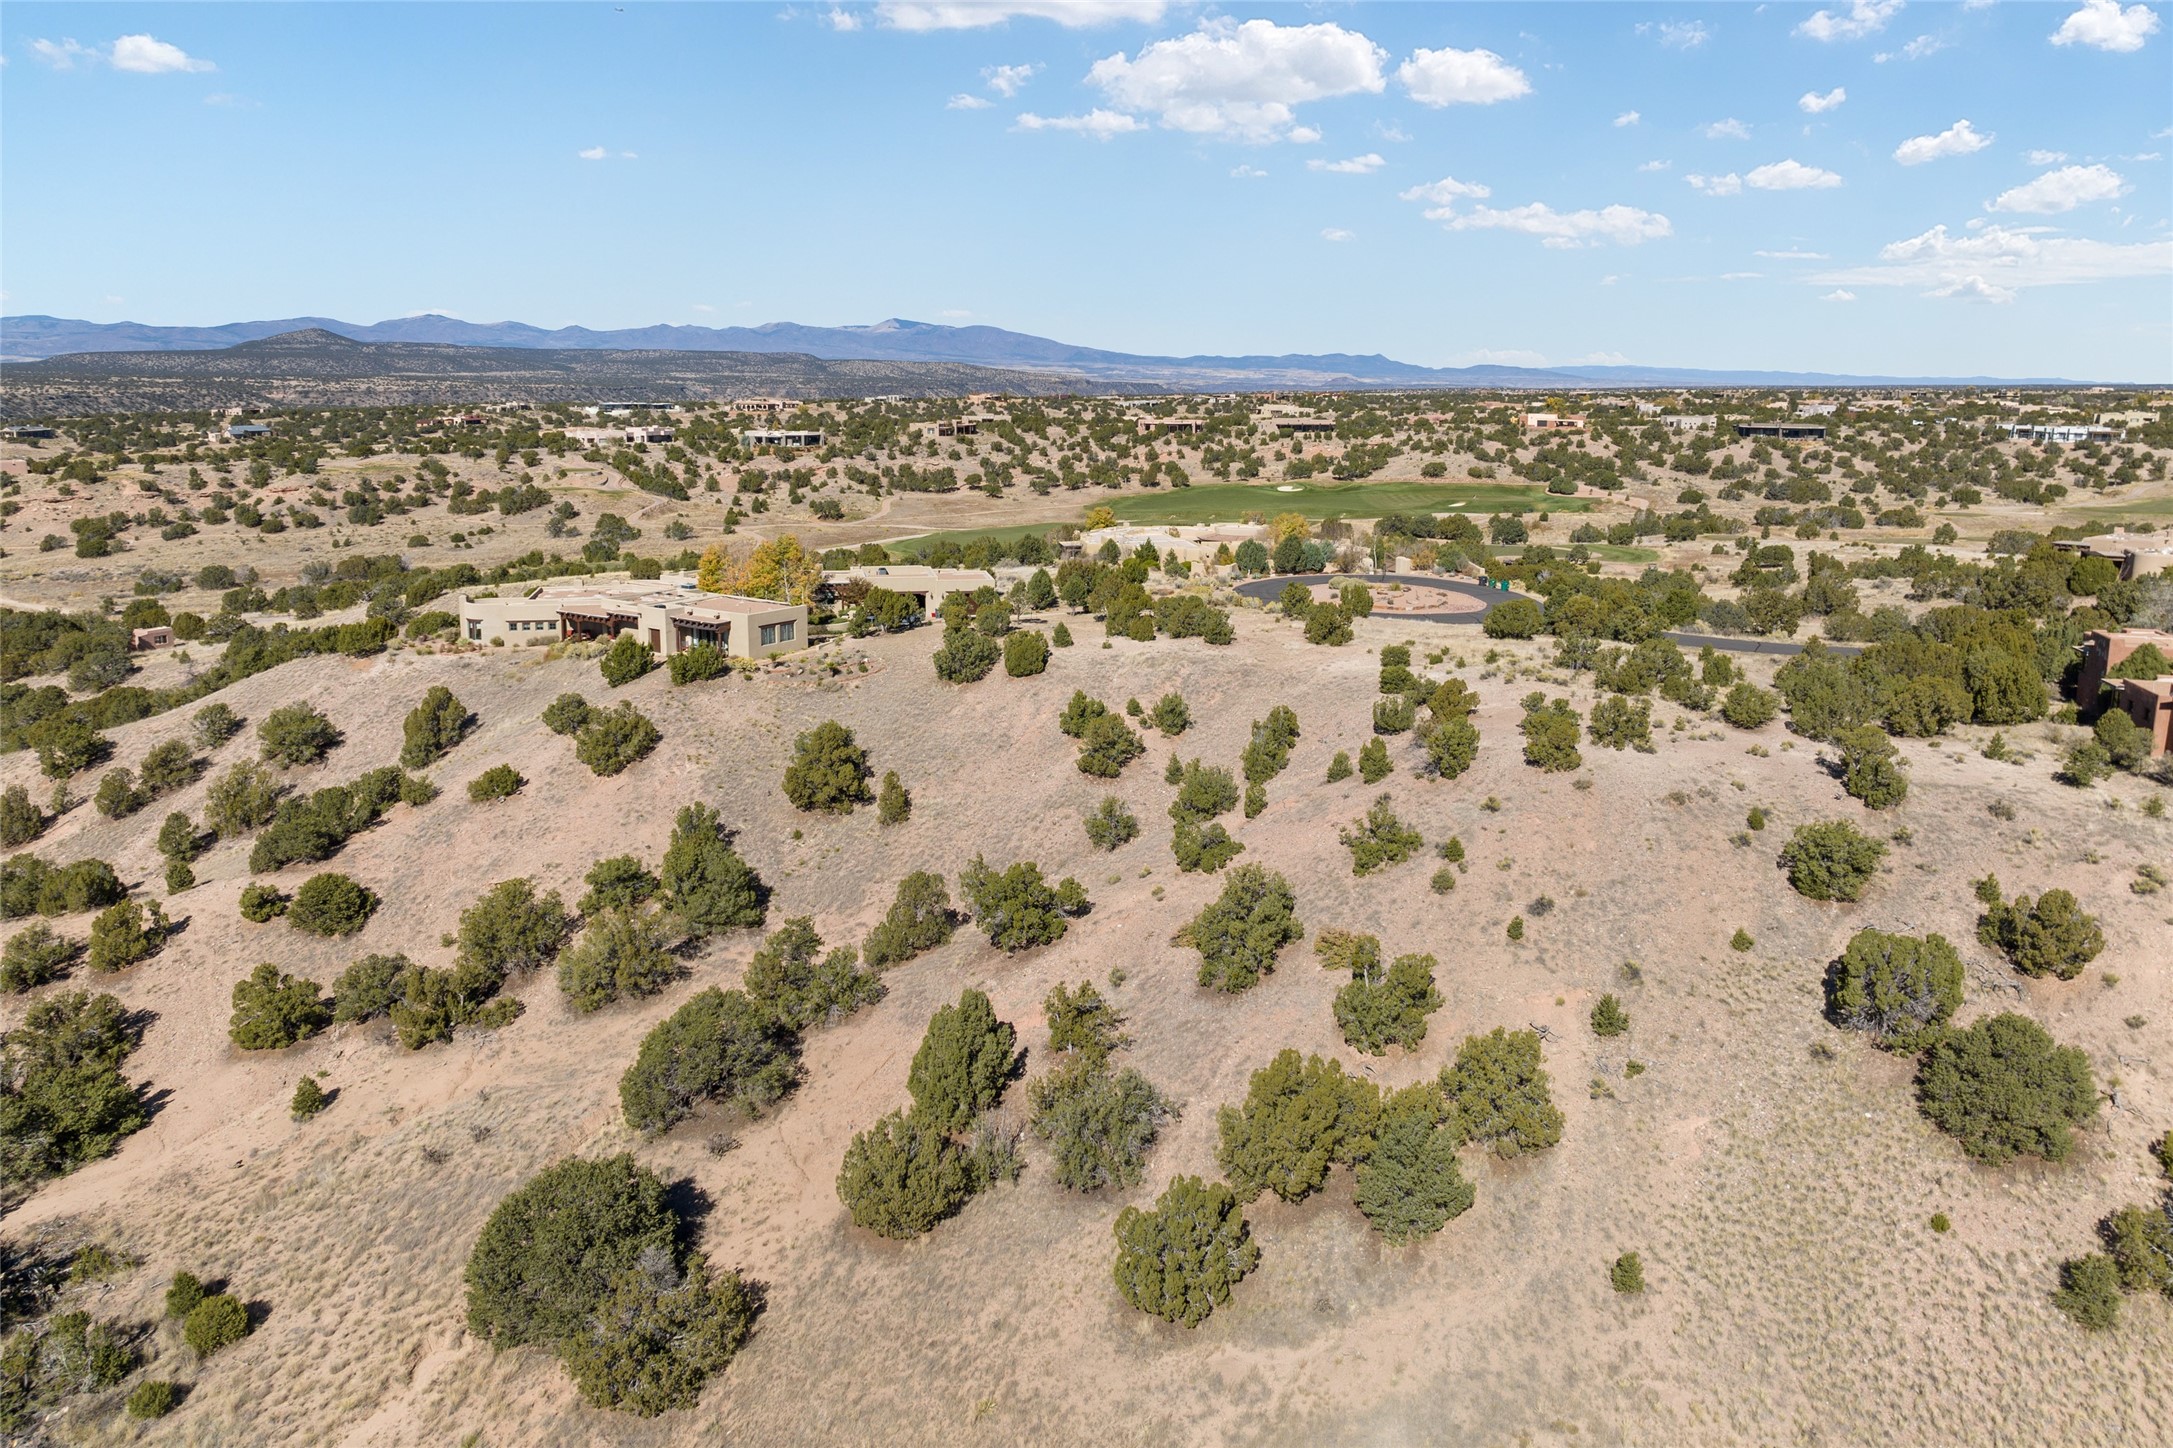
(2149, 702)
(670, 616)
(158, 636)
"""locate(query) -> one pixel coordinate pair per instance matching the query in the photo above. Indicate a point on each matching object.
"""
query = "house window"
(784, 633)
(475, 630)
(769, 634)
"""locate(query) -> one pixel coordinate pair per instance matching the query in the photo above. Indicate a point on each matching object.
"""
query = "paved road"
(1267, 590)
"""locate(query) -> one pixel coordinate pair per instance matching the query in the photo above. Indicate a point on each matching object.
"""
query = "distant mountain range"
(28, 338)
(317, 368)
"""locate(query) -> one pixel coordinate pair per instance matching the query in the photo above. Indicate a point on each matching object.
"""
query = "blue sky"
(1866, 185)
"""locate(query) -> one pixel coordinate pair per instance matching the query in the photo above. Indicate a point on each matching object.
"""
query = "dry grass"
(1779, 1199)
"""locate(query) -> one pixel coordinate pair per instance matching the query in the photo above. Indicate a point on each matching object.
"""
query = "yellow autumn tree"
(779, 568)
(1100, 517)
(1289, 525)
(718, 571)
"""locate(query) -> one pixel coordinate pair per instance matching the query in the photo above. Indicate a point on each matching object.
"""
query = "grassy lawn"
(904, 547)
(1230, 502)
(2151, 508)
(1613, 552)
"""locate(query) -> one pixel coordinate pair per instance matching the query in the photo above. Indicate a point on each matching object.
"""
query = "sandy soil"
(1778, 1196)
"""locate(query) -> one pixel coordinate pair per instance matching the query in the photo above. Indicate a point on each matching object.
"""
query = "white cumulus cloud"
(1627, 118)
(1461, 77)
(1006, 80)
(1337, 233)
(1654, 165)
(1098, 123)
(2002, 259)
(2061, 190)
(1812, 103)
(1729, 130)
(1790, 175)
(1443, 195)
(62, 54)
(1247, 173)
(593, 153)
(1728, 185)
(1242, 80)
(1622, 225)
(1792, 255)
(1862, 18)
(977, 14)
(967, 102)
(842, 19)
(1959, 139)
(2044, 158)
(1364, 165)
(2104, 25)
(1841, 294)
(148, 56)
(1973, 289)
(1678, 34)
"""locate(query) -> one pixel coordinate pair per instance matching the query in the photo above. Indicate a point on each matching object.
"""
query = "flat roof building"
(930, 585)
(773, 437)
(2149, 702)
(1688, 421)
(669, 616)
(1553, 422)
(2064, 432)
(1786, 431)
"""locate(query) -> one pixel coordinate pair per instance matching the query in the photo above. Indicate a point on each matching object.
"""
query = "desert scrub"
(829, 771)
(1111, 823)
(273, 1010)
(309, 1099)
(719, 1047)
(1179, 1261)
(2003, 1088)
(331, 905)
(613, 740)
(1239, 934)
(1300, 1116)
(1627, 1275)
(1831, 860)
(500, 781)
(217, 1322)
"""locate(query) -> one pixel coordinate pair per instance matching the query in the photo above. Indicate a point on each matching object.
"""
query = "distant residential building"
(1301, 425)
(743, 406)
(1688, 421)
(617, 436)
(28, 430)
(1786, 431)
(669, 615)
(2138, 555)
(2149, 702)
(949, 427)
(1816, 407)
(247, 431)
(929, 585)
(1177, 425)
(159, 636)
(2127, 419)
(777, 437)
(2062, 432)
(1553, 422)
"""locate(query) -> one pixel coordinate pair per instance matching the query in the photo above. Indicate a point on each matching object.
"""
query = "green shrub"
(1627, 1275)
(965, 656)
(893, 803)
(567, 714)
(1451, 747)
(901, 1177)
(1340, 766)
(622, 953)
(614, 740)
(1831, 861)
(1749, 707)
(1202, 849)
(626, 660)
(1740, 941)
(2002, 1088)
(1171, 715)
(706, 884)
(1239, 934)
(919, 919)
(152, 1398)
(1099, 1125)
(1111, 823)
(309, 1099)
(1410, 1185)
(2048, 936)
(242, 799)
(433, 728)
(512, 929)
(432, 1004)
(1060, 636)
(1179, 1261)
(368, 988)
(2089, 1291)
(658, 1336)
(1026, 653)
(116, 796)
(1299, 1118)
(21, 821)
(1107, 744)
(1618, 723)
(552, 1251)
(126, 935)
(30, 886)
(1394, 715)
(1373, 761)
(963, 1064)
(63, 1098)
(1515, 618)
(1608, 1017)
(791, 979)
(1550, 732)
(617, 883)
(218, 1321)
(1380, 839)
(719, 1046)
(297, 735)
(500, 781)
(2140, 1240)
(1871, 767)
(177, 839)
(1014, 907)
(698, 664)
(1900, 988)
(331, 905)
(1383, 1008)
(273, 1010)
(262, 903)
(1497, 1093)
(35, 956)
(829, 772)
(44, 1364)
(214, 724)
(183, 1293)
